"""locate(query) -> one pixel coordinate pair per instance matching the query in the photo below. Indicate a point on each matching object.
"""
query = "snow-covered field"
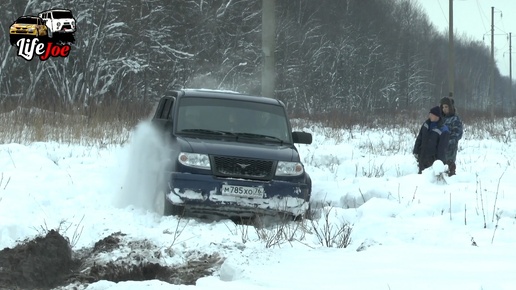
(408, 231)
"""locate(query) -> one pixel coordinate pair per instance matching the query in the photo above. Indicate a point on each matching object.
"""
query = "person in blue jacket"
(432, 141)
(454, 124)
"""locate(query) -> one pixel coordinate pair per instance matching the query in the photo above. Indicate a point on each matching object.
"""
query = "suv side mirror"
(302, 137)
(163, 116)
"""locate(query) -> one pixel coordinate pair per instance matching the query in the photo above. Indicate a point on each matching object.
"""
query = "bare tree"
(357, 57)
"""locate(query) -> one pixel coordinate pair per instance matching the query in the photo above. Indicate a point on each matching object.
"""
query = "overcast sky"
(473, 18)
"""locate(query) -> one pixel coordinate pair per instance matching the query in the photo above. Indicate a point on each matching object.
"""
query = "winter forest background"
(360, 57)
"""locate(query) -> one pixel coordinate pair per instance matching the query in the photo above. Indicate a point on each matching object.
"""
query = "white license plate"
(243, 191)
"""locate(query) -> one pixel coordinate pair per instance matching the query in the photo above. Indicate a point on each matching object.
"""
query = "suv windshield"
(27, 20)
(62, 14)
(233, 117)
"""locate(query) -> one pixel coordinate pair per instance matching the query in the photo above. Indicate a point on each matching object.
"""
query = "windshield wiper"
(259, 136)
(227, 133)
(206, 131)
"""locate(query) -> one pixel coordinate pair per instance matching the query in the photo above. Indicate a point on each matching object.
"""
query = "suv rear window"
(234, 116)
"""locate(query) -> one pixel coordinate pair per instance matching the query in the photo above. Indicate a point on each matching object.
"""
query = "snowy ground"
(409, 231)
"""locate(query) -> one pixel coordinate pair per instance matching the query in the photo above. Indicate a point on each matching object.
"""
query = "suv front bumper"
(202, 193)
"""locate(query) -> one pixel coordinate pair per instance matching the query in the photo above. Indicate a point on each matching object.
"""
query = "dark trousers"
(451, 167)
(424, 164)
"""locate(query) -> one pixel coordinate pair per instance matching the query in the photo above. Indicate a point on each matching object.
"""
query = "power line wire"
(480, 13)
(444, 14)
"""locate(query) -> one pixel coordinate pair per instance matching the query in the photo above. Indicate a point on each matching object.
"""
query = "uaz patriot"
(233, 155)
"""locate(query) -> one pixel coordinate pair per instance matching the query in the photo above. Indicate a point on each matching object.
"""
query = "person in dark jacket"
(432, 140)
(454, 124)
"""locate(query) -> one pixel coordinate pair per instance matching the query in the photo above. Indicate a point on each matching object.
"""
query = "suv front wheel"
(170, 209)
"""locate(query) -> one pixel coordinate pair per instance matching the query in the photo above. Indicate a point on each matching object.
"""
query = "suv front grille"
(242, 168)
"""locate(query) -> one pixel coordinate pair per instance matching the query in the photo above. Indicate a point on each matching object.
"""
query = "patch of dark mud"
(49, 262)
(41, 263)
(179, 275)
(141, 262)
(108, 244)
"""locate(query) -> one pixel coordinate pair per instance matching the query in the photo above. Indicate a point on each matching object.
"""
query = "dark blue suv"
(233, 155)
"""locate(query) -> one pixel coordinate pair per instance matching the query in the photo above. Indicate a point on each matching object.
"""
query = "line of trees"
(345, 55)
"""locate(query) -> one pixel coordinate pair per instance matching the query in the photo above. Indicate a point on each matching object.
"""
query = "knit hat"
(451, 105)
(436, 111)
(447, 101)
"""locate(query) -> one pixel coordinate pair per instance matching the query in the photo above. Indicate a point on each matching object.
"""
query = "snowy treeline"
(348, 55)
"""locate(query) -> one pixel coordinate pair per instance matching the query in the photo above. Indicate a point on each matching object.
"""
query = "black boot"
(451, 168)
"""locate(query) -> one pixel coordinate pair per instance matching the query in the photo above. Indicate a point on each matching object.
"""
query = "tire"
(309, 214)
(46, 37)
(167, 206)
(71, 38)
(171, 209)
(177, 210)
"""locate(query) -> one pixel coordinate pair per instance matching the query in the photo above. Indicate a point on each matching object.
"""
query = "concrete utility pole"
(451, 53)
(510, 71)
(268, 47)
(491, 86)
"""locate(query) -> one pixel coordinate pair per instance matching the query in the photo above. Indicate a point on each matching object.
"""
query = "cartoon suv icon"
(61, 24)
(27, 26)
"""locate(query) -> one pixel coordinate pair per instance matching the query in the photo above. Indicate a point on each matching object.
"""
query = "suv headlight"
(30, 30)
(194, 160)
(289, 168)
